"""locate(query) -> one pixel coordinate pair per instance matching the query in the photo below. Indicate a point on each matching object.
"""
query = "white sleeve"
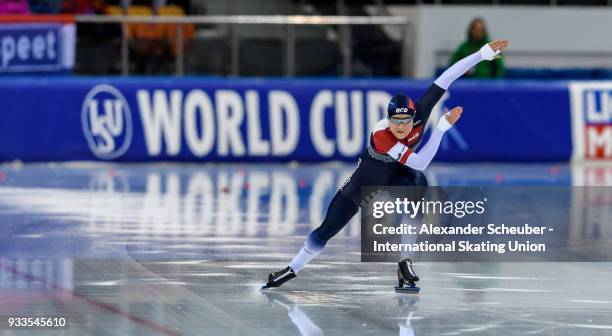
(462, 66)
(421, 160)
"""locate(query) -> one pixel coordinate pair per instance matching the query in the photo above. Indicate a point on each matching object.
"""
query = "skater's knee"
(421, 179)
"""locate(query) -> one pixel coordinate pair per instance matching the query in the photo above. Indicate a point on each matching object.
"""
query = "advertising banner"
(36, 47)
(256, 120)
(591, 120)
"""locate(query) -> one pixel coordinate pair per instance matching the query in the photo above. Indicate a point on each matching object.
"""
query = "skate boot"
(406, 276)
(276, 279)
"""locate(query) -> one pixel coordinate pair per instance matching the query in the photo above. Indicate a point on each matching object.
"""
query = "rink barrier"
(274, 120)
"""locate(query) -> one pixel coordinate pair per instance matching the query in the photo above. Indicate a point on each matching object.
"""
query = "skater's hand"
(453, 115)
(496, 47)
(449, 118)
(499, 45)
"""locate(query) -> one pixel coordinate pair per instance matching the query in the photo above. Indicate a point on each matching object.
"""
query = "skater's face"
(400, 126)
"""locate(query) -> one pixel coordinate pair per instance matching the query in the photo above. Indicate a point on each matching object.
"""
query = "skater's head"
(400, 113)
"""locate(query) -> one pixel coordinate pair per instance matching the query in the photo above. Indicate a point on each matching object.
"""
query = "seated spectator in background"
(14, 7)
(476, 38)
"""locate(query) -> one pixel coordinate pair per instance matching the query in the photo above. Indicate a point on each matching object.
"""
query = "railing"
(344, 22)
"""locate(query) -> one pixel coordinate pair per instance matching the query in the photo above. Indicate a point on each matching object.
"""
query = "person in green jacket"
(476, 38)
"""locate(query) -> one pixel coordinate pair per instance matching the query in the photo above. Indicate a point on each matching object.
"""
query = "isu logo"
(107, 122)
(592, 120)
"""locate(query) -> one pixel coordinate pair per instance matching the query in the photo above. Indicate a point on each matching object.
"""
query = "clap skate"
(276, 279)
(406, 277)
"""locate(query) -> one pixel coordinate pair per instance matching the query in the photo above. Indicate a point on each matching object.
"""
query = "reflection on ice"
(407, 307)
(182, 250)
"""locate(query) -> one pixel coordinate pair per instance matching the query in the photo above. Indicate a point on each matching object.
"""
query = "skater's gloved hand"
(449, 118)
(491, 50)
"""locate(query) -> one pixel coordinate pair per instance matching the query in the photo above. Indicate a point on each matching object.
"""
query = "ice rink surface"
(182, 250)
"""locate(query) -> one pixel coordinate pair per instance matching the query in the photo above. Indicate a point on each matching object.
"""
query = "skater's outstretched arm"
(488, 52)
(421, 160)
(435, 91)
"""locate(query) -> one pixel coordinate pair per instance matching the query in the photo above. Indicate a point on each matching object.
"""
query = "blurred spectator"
(476, 38)
(14, 7)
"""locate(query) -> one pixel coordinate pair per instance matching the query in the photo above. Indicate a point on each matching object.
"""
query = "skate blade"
(407, 290)
(265, 286)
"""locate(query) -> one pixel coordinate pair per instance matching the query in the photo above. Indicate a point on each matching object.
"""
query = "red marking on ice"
(225, 189)
(112, 172)
(554, 171)
(302, 183)
(499, 178)
(2, 177)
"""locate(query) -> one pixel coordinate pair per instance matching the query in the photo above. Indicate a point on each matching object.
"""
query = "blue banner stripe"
(259, 120)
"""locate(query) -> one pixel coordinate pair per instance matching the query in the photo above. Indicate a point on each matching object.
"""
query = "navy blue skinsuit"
(374, 172)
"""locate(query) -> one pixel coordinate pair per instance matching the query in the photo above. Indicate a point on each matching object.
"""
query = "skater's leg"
(405, 272)
(409, 238)
(410, 178)
(420, 179)
(310, 249)
(340, 211)
(342, 208)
